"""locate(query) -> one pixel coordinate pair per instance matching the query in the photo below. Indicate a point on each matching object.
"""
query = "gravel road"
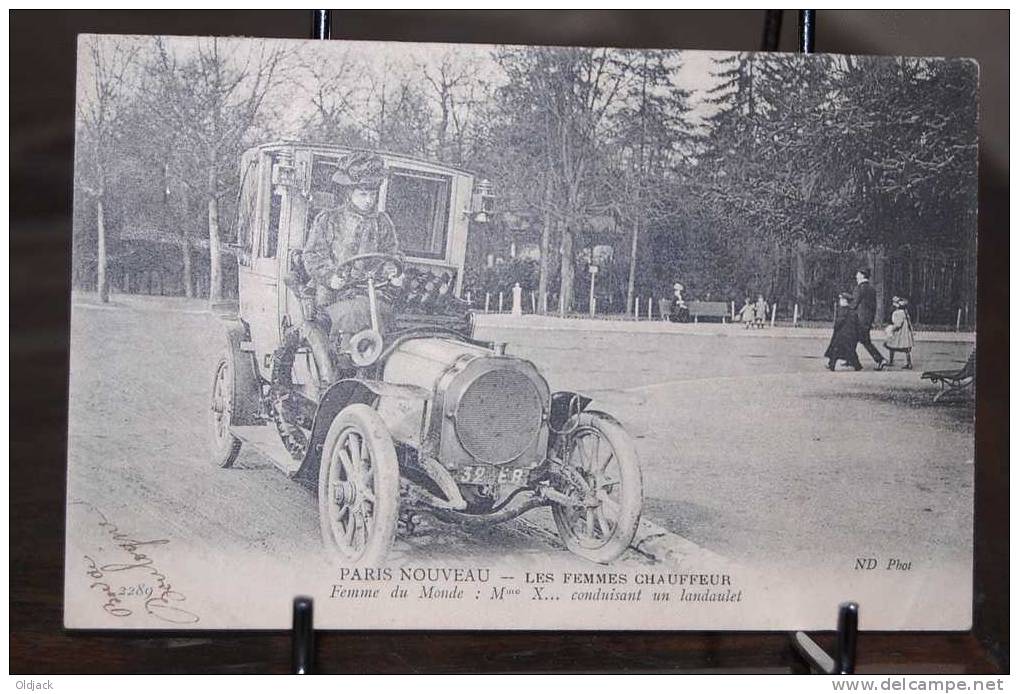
(749, 447)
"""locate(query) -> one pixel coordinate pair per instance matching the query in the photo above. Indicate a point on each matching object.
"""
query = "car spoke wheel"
(602, 477)
(225, 446)
(358, 487)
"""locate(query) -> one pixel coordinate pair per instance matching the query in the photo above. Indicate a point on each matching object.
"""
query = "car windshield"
(417, 202)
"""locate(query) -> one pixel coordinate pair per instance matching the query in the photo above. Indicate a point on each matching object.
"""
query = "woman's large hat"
(360, 170)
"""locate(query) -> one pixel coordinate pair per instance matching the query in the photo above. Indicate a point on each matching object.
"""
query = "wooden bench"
(711, 309)
(664, 308)
(954, 381)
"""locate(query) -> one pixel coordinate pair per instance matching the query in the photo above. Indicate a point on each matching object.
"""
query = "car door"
(259, 277)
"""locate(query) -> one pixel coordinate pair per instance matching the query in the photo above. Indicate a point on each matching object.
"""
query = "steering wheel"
(380, 267)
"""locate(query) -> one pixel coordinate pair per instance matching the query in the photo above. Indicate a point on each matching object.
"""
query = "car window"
(322, 171)
(322, 191)
(246, 201)
(418, 204)
(272, 231)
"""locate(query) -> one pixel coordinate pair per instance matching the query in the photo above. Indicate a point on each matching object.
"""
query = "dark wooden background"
(42, 108)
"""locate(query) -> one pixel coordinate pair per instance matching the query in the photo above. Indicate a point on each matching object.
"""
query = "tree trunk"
(877, 264)
(566, 272)
(775, 276)
(543, 260)
(631, 281)
(800, 274)
(189, 290)
(969, 282)
(382, 118)
(101, 284)
(215, 257)
(443, 123)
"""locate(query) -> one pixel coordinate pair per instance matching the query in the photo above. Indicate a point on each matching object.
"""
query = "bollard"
(487, 297)
(518, 304)
(649, 300)
(796, 314)
(732, 311)
(500, 302)
(636, 307)
(774, 307)
(534, 303)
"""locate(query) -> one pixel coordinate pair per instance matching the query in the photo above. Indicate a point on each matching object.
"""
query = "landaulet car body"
(426, 419)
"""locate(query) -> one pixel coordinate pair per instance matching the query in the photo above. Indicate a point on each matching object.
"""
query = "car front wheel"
(358, 487)
(224, 445)
(601, 475)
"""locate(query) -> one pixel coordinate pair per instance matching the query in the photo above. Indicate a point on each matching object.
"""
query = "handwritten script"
(160, 599)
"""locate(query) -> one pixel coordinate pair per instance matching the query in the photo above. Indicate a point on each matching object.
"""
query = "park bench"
(955, 381)
(664, 308)
(712, 309)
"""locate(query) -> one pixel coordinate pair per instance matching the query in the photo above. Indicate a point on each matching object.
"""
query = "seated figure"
(354, 227)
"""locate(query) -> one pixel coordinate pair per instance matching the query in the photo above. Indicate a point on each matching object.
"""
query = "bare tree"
(395, 114)
(333, 88)
(212, 99)
(650, 133)
(106, 61)
(458, 93)
(564, 96)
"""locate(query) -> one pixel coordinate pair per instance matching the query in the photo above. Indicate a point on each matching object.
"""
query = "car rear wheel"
(224, 445)
(602, 477)
(358, 487)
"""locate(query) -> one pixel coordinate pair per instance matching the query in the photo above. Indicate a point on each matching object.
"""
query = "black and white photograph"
(465, 336)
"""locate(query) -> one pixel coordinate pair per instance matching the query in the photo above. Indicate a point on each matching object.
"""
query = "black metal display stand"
(844, 662)
(321, 24)
(303, 652)
(819, 662)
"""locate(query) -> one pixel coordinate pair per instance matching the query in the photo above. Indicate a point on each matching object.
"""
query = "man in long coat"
(865, 304)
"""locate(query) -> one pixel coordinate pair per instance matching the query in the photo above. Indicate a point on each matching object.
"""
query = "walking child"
(899, 334)
(747, 314)
(760, 311)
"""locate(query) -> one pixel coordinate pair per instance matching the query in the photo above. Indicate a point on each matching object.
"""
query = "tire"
(358, 488)
(224, 446)
(602, 532)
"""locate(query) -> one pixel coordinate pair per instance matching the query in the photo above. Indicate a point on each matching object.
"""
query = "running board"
(267, 441)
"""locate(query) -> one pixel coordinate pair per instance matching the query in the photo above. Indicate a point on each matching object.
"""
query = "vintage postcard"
(502, 337)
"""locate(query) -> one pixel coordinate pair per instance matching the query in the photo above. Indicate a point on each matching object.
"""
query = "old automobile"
(424, 419)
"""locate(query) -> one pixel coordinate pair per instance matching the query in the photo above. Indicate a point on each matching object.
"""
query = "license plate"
(493, 474)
